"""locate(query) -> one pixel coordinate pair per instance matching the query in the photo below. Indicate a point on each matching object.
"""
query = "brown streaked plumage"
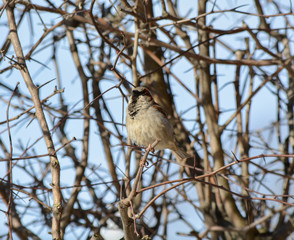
(147, 122)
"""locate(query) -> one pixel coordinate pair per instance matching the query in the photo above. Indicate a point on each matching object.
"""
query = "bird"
(147, 122)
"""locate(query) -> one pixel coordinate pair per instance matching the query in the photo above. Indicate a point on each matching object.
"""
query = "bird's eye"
(145, 92)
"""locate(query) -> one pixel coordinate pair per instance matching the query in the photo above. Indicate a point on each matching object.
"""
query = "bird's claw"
(144, 163)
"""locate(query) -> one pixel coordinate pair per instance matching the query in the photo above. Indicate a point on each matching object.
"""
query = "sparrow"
(147, 122)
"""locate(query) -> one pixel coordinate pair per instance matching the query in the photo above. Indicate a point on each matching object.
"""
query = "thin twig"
(10, 203)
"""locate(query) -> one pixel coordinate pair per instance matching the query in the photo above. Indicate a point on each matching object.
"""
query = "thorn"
(236, 159)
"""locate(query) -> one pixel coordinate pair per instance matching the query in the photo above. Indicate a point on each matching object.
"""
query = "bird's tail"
(180, 154)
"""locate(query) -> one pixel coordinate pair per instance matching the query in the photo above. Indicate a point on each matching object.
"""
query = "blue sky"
(263, 110)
